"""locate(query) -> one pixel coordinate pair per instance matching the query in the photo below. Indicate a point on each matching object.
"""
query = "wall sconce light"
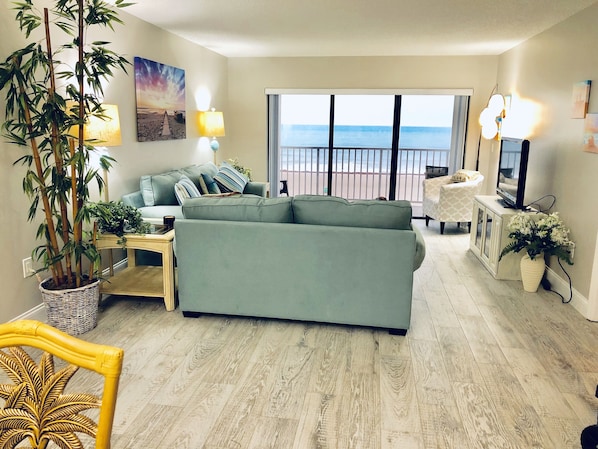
(491, 117)
(211, 124)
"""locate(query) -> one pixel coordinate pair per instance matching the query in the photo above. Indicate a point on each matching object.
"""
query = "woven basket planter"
(73, 311)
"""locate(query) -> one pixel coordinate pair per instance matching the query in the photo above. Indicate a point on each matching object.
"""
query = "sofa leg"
(442, 227)
(469, 227)
(187, 314)
(427, 220)
(402, 332)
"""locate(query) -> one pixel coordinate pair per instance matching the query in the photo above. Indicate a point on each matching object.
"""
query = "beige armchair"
(448, 201)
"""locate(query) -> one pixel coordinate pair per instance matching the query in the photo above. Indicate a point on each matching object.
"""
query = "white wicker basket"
(73, 311)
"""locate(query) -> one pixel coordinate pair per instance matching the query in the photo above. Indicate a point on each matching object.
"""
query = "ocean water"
(303, 138)
(419, 137)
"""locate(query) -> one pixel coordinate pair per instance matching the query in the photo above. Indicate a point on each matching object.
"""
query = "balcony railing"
(358, 173)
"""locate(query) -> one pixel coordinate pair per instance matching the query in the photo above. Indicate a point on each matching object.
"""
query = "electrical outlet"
(27, 267)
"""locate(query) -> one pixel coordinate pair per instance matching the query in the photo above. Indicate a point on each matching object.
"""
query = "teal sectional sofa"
(308, 258)
(156, 195)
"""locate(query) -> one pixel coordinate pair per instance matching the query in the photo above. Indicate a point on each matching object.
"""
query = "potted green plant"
(240, 168)
(49, 93)
(118, 218)
(539, 236)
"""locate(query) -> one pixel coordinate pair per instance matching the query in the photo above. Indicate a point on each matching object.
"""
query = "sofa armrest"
(257, 188)
(420, 248)
(134, 199)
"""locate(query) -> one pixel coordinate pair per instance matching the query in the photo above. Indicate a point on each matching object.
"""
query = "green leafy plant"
(118, 218)
(237, 166)
(546, 235)
(50, 95)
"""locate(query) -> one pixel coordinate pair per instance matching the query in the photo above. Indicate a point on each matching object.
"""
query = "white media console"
(489, 235)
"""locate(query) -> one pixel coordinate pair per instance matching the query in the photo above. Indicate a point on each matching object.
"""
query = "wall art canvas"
(581, 99)
(160, 96)
(590, 135)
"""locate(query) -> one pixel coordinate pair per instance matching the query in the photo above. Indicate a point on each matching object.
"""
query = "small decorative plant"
(237, 166)
(118, 218)
(546, 235)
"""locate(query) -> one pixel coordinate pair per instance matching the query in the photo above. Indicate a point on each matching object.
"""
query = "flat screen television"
(512, 171)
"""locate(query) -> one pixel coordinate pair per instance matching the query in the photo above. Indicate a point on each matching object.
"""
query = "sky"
(159, 86)
(367, 110)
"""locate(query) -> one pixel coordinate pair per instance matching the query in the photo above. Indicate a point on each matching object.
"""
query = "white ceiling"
(251, 28)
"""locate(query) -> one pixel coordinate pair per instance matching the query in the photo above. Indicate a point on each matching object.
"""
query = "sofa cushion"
(229, 179)
(210, 184)
(255, 209)
(158, 212)
(334, 211)
(185, 189)
(158, 190)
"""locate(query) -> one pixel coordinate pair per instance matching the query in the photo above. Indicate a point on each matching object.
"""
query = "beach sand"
(151, 127)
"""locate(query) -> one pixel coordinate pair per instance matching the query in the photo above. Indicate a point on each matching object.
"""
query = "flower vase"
(532, 271)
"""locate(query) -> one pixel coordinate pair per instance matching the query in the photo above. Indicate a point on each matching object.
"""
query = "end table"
(142, 280)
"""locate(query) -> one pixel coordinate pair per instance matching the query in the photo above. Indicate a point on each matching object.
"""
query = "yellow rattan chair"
(36, 409)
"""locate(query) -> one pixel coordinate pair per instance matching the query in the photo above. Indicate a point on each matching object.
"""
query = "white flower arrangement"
(545, 235)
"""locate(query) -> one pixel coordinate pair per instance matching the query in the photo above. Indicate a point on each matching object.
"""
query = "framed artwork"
(590, 134)
(581, 99)
(160, 97)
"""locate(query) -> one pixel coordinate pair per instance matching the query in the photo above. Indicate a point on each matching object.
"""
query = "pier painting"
(160, 96)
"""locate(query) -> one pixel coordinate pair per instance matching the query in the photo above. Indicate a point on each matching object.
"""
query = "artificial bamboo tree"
(50, 94)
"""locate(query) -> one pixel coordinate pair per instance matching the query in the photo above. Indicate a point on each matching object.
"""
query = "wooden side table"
(142, 280)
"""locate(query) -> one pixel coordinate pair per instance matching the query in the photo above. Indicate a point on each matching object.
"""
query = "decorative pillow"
(185, 189)
(229, 179)
(157, 190)
(203, 188)
(211, 186)
(465, 175)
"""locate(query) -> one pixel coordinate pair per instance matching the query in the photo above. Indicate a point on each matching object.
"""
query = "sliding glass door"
(363, 146)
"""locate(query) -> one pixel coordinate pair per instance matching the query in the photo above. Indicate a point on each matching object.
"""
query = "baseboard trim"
(558, 284)
(39, 312)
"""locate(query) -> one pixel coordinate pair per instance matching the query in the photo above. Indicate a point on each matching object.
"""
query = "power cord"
(545, 281)
(536, 203)
(548, 287)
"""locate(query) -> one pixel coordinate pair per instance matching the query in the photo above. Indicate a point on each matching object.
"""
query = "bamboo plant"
(50, 95)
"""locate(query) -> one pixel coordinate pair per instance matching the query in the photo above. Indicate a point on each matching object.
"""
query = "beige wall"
(205, 73)
(249, 77)
(542, 72)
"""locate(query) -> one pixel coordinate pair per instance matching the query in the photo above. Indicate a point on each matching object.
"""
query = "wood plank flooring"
(484, 365)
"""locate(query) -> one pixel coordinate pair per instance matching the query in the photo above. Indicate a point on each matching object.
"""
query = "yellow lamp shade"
(211, 123)
(105, 131)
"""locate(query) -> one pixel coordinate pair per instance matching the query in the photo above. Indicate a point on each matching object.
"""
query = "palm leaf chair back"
(37, 410)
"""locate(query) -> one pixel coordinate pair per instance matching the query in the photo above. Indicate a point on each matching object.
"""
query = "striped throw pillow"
(229, 179)
(184, 189)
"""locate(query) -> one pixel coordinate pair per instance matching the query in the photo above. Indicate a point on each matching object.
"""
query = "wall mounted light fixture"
(492, 116)
(211, 124)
